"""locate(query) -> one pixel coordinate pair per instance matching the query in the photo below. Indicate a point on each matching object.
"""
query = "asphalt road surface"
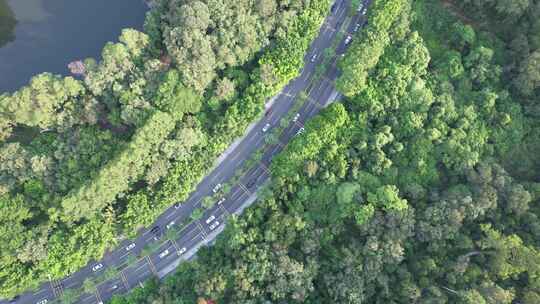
(203, 231)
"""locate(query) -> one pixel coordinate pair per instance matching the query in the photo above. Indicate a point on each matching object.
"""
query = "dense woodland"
(422, 186)
(86, 161)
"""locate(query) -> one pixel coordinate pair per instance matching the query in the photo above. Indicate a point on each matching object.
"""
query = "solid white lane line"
(143, 265)
(40, 292)
(142, 275)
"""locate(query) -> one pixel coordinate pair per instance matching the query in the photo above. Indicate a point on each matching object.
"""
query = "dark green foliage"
(106, 155)
(398, 194)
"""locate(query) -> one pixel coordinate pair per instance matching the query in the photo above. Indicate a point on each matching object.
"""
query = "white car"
(214, 225)
(97, 267)
(177, 206)
(130, 246)
(313, 58)
(182, 250)
(266, 127)
(164, 254)
(216, 188)
(360, 7)
(348, 40)
(300, 131)
(356, 27)
(295, 118)
(211, 218)
(364, 11)
(169, 225)
(42, 301)
(221, 201)
(114, 287)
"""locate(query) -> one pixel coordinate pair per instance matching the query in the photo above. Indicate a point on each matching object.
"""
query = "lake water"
(49, 34)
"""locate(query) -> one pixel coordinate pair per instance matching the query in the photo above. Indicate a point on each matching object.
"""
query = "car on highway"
(164, 254)
(214, 225)
(156, 231)
(295, 118)
(130, 246)
(182, 251)
(313, 58)
(211, 218)
(43, 301)
(348, 39)
(114, 287)
(266, 127)
(177, 205)
(169, 225)
(250, 183)
(97, 267)
(216, 188)
(221, 201)
(300, 131)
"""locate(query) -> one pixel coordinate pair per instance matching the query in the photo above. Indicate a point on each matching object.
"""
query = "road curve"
(203, 231)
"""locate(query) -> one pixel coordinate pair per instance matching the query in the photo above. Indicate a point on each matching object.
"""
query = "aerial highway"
(201, 232)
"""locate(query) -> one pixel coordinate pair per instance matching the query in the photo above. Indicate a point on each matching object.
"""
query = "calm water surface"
(49, 34)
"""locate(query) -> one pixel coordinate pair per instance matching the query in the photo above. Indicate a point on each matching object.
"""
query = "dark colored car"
(156, 231)
(251, 183)
(333, 8)
(14, 299)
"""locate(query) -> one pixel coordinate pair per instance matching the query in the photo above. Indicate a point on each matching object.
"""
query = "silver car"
(214, 225)
(211, 218)
(164, 254)
(97, 267)
(216, 188)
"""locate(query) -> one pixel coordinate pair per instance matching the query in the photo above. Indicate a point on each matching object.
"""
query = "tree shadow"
(7, 23)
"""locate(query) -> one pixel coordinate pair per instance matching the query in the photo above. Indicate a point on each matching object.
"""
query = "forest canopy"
(421, 186)
(87, 161)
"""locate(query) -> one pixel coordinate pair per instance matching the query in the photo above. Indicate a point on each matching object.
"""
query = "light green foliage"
(365, 52)
(391, 204)
(117, 175)
(69, 252)
(325, 129)
(48, 102)
(174, 98)
(388, 198)
(139, 213)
